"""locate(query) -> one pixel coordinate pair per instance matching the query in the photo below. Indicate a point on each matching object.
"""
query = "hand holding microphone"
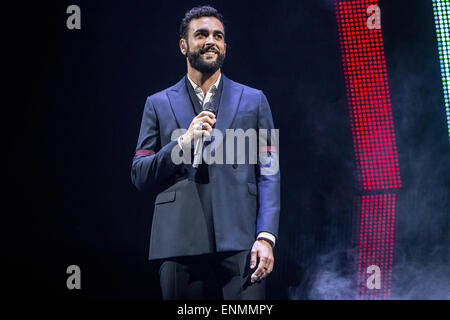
(201, 125)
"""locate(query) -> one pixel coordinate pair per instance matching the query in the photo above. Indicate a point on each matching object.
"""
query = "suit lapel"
(194, 99)
(181, 104)
(229, 103)
(184, 112)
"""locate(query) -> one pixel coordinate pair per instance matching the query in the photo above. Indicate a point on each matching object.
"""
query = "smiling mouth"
(210, 52)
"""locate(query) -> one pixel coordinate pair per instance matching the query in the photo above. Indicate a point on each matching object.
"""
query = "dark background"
(73, 108)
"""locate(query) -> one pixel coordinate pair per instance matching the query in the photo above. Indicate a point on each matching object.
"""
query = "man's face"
(206, 45)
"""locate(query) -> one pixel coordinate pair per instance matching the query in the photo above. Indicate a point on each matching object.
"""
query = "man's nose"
(210, 40)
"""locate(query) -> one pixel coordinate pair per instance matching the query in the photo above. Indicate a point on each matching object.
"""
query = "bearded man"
(214, 225)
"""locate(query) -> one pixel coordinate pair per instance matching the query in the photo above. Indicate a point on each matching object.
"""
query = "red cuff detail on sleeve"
(268, 149)
(144, 152)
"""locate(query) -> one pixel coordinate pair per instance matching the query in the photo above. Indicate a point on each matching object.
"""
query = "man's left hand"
(261, 249)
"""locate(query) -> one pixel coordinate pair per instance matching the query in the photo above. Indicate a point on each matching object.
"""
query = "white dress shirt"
(202, 98)
(209, 94)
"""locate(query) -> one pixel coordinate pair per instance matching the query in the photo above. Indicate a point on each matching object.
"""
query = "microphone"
(209, 107)
(198, 147)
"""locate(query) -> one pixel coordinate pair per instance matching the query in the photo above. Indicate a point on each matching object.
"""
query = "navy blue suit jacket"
(244, 201)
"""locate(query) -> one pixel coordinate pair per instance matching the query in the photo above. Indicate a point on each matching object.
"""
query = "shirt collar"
(213, 88)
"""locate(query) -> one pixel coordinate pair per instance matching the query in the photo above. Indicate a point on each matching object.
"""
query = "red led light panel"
(376, 157)
(368, 94)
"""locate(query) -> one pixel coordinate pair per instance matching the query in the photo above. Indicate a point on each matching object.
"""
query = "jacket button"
(235, 166)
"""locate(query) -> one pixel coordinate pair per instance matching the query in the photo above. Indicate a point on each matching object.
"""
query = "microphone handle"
(198, 151)
(198, 147)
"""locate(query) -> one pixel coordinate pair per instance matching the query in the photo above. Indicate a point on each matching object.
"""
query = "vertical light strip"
(374, 144)
(441, 10)
(376, 244)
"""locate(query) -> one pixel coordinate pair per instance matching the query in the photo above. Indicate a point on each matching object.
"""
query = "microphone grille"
(209, 107)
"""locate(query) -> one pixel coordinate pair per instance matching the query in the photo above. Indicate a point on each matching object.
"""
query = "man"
(214, 225)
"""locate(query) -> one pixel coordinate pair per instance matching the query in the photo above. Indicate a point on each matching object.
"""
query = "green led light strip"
(441, 10)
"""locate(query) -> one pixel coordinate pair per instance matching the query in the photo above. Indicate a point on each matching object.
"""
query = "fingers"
(270, 267)
(206, 113)
(207, 126)
(207, 120)
(201, 133)
(204, 130)
(260, 272)
(265, 265)
(204, 119)
(253, 255)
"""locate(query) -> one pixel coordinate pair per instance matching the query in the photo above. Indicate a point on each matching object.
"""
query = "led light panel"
(376, 245)
(374, 142)
(442, 19)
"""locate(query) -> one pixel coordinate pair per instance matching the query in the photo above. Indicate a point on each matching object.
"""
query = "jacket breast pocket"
(165, 197)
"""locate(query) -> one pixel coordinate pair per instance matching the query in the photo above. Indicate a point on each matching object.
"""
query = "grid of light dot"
(369, 99)
(374, 141)
(376, 243)
(441, 11)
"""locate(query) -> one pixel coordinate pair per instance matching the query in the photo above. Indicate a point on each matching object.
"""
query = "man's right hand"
(207, 118)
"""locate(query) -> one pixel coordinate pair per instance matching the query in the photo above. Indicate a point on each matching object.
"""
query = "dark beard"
(197, 62)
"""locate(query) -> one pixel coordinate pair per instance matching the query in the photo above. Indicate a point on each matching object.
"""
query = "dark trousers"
(215, 276)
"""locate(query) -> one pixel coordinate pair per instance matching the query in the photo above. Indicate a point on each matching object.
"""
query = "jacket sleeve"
(152, 162)
(268, 173)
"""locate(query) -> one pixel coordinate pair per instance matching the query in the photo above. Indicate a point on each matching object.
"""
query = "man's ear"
(183, 47)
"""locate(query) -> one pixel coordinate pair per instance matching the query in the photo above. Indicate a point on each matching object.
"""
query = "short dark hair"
(198, 12)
